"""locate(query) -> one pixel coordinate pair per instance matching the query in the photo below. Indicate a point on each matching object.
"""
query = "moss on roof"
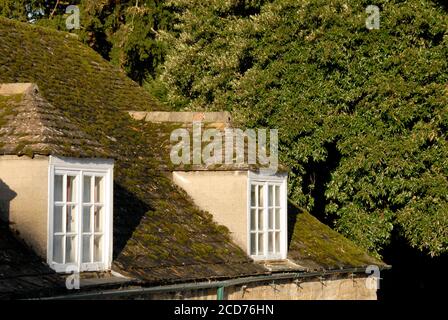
(68, 73)
(163, 130)
(316, 246)
(29, 125)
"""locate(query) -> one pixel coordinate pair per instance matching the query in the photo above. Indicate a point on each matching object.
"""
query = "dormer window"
(267, 217)
(80, 215)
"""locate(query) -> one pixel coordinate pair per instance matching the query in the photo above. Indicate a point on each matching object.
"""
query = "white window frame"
(281, 180)
(79, 167)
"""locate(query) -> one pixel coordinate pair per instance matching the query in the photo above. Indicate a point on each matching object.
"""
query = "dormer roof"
(31, 125)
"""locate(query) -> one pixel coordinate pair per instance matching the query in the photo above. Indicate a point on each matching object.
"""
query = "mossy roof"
(163, 131)
(30, 125)
(160, 236)
(316, 246)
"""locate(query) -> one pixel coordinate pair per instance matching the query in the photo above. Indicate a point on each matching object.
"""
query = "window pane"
(253, 200)
(277, 242)
(58, 187)
(87, 187)
(260, 219)
(271, 219)
(71, 189)
(270, 242)
(271, 195)
(277, 218)
(86, 252)
(86, 221)
(98, 219)
(70, 250)
(57, 249)
(97, 249)
(57, 219)
(260, 195)
(253, 214)
(71, 218)
(260, 243)
(98, 190)
(253, 242)
(277, 196)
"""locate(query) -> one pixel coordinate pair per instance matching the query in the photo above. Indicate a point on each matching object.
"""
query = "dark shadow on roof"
(293, 211)
(128, 213)
(22, 273)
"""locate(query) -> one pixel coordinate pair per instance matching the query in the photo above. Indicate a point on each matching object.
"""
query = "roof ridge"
(33, 94)
(45, 29)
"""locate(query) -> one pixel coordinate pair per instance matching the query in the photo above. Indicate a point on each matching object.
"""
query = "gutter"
(219, 285)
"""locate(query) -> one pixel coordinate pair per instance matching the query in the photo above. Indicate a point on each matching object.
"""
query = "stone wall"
(344, 287)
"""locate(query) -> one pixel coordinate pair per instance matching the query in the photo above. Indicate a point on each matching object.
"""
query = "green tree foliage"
(362, 114)
(123, 32)
(13, 9)
(46, 12)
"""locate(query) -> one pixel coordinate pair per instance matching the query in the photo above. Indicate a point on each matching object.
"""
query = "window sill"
(88, 267)
(275, 258)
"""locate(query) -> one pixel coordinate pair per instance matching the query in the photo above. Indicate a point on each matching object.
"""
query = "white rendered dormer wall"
(252, 206)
